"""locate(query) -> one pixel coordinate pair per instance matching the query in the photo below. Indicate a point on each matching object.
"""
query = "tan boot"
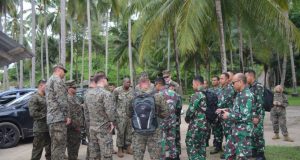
(120, 152)
(129, 150)
(288, 139)
(276, 136)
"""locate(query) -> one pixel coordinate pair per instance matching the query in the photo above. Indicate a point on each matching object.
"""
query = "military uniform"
(278, 113)
(177, 89)
(169, 124)
(238, 144)
(73, 130)
(225, 100)
(87, 123)
(152, 141)
(38, 111)
(102, 112)
(57, 112)
(258, 111)
(123, 100)
(197, 129)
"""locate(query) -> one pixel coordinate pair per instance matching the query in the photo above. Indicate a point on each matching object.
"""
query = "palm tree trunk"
(130, 52)
(63, 31)
(283, 75)
(118, 73)
(21, 84)
(169, 51)
(294, 79)
(72, 54)
(33, 44)
(42, 56)
(251, 52)
(82, 64)
(278, 63)
(231, 59)
(106, 43)
(222, 37)
(240, 44)
(89, 37)
(46, 40)
(176, 49)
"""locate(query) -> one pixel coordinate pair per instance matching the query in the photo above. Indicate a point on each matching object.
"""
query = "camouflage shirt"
(123, 99)
(258, 92)
(101, 107)
(57, 100)
(38, 111)
(215, 90)
(195, 115)
(177, 89)
(226, 97)
(240, 114)
(281, 98)
(75, 112)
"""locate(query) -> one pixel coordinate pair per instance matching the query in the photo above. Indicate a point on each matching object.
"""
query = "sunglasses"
(166, 76)
(233, 82)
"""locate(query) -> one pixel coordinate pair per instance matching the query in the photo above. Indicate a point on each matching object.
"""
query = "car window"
(21, 99)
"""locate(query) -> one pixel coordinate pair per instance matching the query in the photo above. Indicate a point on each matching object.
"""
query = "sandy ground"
(23, 150)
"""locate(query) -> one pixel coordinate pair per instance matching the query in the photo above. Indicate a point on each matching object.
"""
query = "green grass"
(282, 153)
(294, 101)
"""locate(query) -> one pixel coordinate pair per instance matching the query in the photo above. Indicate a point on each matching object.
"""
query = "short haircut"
(216, 77)
(250, 71)
(160, 80)
(166, 72)
(226, 75)
(99, 77)
(242, 77)
(126, 79)
(199, 79)
(42, 81)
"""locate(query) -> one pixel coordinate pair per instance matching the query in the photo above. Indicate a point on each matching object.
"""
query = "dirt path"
(23, 150)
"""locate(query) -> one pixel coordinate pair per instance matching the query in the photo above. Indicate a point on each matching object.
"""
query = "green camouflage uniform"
(87, 123)
(73, 130)
(102, 112)
(258, 111)
(123, 100)
(225, 100)
(238, 144)
(57, 112)
(197, 129)
(169, 124)
(152, 141)
(278, 113)
(217, 125)
(38, 111)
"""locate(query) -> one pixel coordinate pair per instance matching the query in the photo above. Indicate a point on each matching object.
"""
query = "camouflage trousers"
(226, 126)
(196, 144)
(58, 134)
(124, 134)
(87, 131)
(168, 144)
(258, 141)
(73, 145)
(238, 145)
(177, 139)
(218, 133)
(278, 118)
(152, 142)
(101, 143)
(41, 140)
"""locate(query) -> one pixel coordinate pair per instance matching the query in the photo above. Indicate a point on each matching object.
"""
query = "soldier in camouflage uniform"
(216, 126)
(195, 117)
(258, 113)
(102, 115)
(38, 111)
(169, 124)
(151, 141)
(58, 114)
(123, 96)
(238, 144)
(278, 114)
(168, 78)
(73, 131)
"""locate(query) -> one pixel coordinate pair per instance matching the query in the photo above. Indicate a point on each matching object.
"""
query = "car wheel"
(9, 135)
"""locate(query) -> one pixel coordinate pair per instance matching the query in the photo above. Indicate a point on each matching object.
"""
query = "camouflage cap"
(70, 84)
(61, 66)
(143, 76)
(166, 73)
(172, 83)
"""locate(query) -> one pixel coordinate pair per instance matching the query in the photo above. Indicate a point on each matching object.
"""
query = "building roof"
(11, 51)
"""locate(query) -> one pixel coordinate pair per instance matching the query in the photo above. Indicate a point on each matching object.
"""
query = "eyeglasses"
(166, 77)
(235, 81)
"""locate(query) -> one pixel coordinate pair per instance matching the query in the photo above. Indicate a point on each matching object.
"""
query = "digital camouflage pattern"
(238, 144)
(197, 129)
(58, 134)
(258, 111)
(152, 141)
(123, 100)
(74, 139)
(102, 112)
(38, 111)
(87, 123)
(278, 113)
(177, 89)
(169, 124)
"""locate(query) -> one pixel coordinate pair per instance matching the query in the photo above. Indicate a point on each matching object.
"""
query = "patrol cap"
(144, 77)
(166, 73)
(70, 84)
(173, 84)
(61, 66)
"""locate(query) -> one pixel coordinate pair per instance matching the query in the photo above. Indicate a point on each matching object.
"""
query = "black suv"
(15, 121)
(10, 95)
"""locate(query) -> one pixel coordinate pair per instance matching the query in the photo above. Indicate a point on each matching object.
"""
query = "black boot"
(216, 150)
(254, 153)
(260, 156)
(84, 142)
(222, 156)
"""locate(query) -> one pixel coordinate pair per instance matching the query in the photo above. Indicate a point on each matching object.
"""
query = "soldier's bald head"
(240, 76)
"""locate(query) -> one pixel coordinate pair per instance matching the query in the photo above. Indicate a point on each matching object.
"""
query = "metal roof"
(11, 51)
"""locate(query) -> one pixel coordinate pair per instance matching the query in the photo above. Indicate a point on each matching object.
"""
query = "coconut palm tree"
(33, 43)
(63, 32)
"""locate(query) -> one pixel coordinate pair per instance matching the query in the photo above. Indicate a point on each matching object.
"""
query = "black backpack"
(144, 120)
(268, 100)
(211, 103)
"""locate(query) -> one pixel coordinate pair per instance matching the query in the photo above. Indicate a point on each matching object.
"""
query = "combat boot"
(129, 150)
(84, 142)
(288, 139)
(217, 149)
(120, 152)
(261, 156)
(276, 136)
